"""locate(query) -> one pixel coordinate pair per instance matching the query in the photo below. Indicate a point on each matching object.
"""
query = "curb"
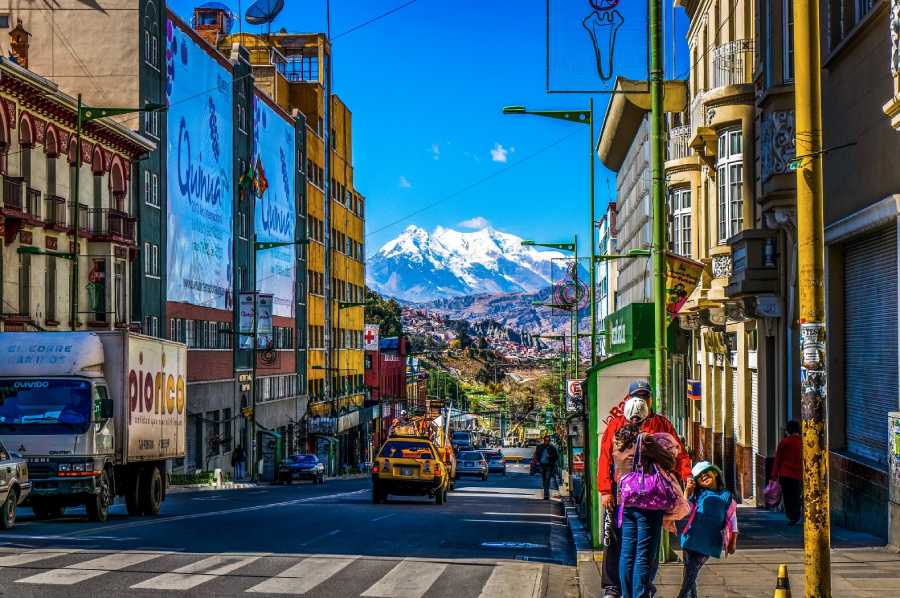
(210, 486)
(586, 559)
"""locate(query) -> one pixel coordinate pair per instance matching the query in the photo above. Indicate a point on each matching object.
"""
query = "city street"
(314, 540)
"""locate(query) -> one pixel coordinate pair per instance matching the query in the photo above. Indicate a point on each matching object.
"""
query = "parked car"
(301, 467)
(14, 486)
(496, 460)
(471, 463)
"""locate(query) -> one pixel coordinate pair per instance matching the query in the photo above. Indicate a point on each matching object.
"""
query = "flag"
(259, 181)
(246, 179)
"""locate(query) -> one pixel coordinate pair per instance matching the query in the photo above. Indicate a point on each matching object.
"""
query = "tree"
(462, 335)
(490, 375)
(482, 343)
(384, 313)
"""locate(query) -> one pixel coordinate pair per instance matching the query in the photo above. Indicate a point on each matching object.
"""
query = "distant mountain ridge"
(420, 267)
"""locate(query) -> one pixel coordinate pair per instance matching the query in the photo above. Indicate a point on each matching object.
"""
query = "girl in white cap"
(712, 526)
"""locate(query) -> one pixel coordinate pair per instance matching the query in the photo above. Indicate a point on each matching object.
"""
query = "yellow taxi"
(409, 467)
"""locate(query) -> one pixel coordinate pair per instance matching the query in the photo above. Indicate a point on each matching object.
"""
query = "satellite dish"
(230, 17)
(263, 11)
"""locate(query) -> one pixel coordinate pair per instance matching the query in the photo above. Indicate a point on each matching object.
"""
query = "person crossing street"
(546, 455)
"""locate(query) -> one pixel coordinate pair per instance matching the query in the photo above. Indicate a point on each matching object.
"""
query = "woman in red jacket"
(788, 470)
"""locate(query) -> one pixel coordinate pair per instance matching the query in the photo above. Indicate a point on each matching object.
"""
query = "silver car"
(471, 463)
(14, 486)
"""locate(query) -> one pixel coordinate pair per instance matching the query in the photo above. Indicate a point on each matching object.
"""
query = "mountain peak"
(418, 266)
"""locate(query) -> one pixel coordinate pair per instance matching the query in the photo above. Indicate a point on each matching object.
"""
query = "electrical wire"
(372, 20)
(710, 46)
(473, 185)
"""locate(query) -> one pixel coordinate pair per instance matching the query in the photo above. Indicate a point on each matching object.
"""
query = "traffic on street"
(491, 539)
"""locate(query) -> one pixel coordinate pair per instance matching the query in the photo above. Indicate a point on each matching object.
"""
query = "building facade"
(607, 272)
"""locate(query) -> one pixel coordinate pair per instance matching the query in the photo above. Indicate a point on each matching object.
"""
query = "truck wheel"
(133, 493)
(44, 512)
(151, 492)
(98, 505)
(8, 510)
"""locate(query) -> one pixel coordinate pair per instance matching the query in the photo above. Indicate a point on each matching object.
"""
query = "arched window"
(118, 186)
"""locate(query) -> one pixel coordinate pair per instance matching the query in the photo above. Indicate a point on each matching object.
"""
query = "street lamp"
(632, 253)
(31, 250)
(85, 114)
(585, 117)
(257, 246)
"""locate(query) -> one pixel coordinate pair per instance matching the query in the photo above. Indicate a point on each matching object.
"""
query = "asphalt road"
(491, 539)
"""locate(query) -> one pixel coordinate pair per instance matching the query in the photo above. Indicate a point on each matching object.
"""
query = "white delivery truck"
(95, 414)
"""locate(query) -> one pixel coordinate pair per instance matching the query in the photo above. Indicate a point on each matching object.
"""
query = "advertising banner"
(273, 146)
(264, 333)
(245, 320)
(682, 277)
(370, 337)
(199, 163)
(577, 459)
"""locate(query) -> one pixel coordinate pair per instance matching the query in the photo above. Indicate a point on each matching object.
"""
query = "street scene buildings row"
(731, 193)
(171, 202)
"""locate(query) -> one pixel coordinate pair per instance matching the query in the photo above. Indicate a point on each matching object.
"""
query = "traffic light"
(531, 403)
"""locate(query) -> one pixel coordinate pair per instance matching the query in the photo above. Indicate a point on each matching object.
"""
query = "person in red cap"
(606, 484)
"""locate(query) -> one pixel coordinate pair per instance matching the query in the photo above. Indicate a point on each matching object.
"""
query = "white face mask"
(636, 408)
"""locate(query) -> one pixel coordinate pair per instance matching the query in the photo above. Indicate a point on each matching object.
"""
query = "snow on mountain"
(417, 266)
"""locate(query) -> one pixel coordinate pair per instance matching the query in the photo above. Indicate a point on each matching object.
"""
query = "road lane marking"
(337, 531)
(514, 521)
(512, 545)
(90, 569)
(383, 517)
(514, 580)
(409, 579)
(158, 520)
(527, 515)
(189, 576)
(303, 576)
(14, 560)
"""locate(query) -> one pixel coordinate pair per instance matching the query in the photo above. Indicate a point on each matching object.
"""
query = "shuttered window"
(870, 328)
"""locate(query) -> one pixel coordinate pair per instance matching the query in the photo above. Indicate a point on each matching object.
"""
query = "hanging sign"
(682, 277)
(370, 336)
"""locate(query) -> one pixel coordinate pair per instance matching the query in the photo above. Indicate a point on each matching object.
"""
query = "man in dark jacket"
(546, 455)
(606, 484)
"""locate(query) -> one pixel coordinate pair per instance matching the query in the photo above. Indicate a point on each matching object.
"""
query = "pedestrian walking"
(712, 526)
(643, 499)
(606, 484)
(238, 456)
(546, 455)
(788, 471)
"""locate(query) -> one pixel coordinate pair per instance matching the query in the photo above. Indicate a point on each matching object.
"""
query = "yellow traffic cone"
(783, 585)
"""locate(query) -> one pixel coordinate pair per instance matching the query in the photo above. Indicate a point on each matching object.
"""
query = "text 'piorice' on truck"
(95, 414)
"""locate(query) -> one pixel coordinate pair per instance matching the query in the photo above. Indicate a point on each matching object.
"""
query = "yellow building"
(291, 69)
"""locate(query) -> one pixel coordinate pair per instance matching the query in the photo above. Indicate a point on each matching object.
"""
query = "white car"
(14, 486)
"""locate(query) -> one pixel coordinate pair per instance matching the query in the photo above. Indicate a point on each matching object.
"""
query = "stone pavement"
(861, 565)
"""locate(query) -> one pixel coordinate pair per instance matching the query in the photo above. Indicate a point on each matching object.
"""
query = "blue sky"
(426, 86)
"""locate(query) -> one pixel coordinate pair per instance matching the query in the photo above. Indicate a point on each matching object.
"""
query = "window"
(153, 51)
(242, 118)
(4, 21)
(681, 222)
(189, 334)
(242, 226)
(147, 199)
(154, 326)
(730, 178)
(24, 284)
(154, 262)
(788, 40)
(154, 191)
(146, 258)
(50, 291)
(151, 123)
(242, 278)
(121, 309)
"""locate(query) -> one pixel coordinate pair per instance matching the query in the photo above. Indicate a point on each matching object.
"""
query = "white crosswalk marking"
(15, 560)
(303, 576)
(90, 569)
(514, 580)
(409, 579)
(189, 576)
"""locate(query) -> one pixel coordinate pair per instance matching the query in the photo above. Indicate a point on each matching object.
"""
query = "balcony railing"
(111, 225)
(33, 203)
(13, 195)
(733, 63)
(679, 139)
(83, 225)
(54, 212)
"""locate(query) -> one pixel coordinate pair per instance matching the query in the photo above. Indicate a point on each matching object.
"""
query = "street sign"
(548, 417)
(573, 394)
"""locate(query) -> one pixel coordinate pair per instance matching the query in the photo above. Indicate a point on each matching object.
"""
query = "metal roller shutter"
(754, 420)
(191, 442)
(870, 328)
(735, 421)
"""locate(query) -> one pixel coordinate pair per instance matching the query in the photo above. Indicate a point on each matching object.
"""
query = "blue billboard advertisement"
(276, 218)
(199, 163)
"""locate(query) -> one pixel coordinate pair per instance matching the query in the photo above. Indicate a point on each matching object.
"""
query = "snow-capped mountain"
(417, 266)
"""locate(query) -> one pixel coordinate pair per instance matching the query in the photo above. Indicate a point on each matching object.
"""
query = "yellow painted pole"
(811, 268)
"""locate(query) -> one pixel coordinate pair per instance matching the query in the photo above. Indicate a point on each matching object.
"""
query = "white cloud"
(498, 154)
(435, 150)
(404, 182)
(476, 223)
(512, 150)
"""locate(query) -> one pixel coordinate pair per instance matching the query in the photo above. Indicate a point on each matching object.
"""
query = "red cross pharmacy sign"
(371, 337)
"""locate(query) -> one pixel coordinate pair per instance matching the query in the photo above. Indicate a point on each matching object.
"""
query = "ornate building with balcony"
(38, 163)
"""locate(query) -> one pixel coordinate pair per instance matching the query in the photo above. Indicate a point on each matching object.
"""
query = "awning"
(355, 418)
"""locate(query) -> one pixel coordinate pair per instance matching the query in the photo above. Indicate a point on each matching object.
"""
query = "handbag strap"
(637, 464)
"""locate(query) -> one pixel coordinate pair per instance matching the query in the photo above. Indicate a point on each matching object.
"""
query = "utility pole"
(657, 153)
(811, 267)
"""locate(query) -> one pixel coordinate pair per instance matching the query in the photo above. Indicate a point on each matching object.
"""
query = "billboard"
(199, 162)
(276, 218)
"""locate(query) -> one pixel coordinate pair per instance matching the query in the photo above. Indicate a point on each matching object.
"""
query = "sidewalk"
(861, 567)
(244, 482)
